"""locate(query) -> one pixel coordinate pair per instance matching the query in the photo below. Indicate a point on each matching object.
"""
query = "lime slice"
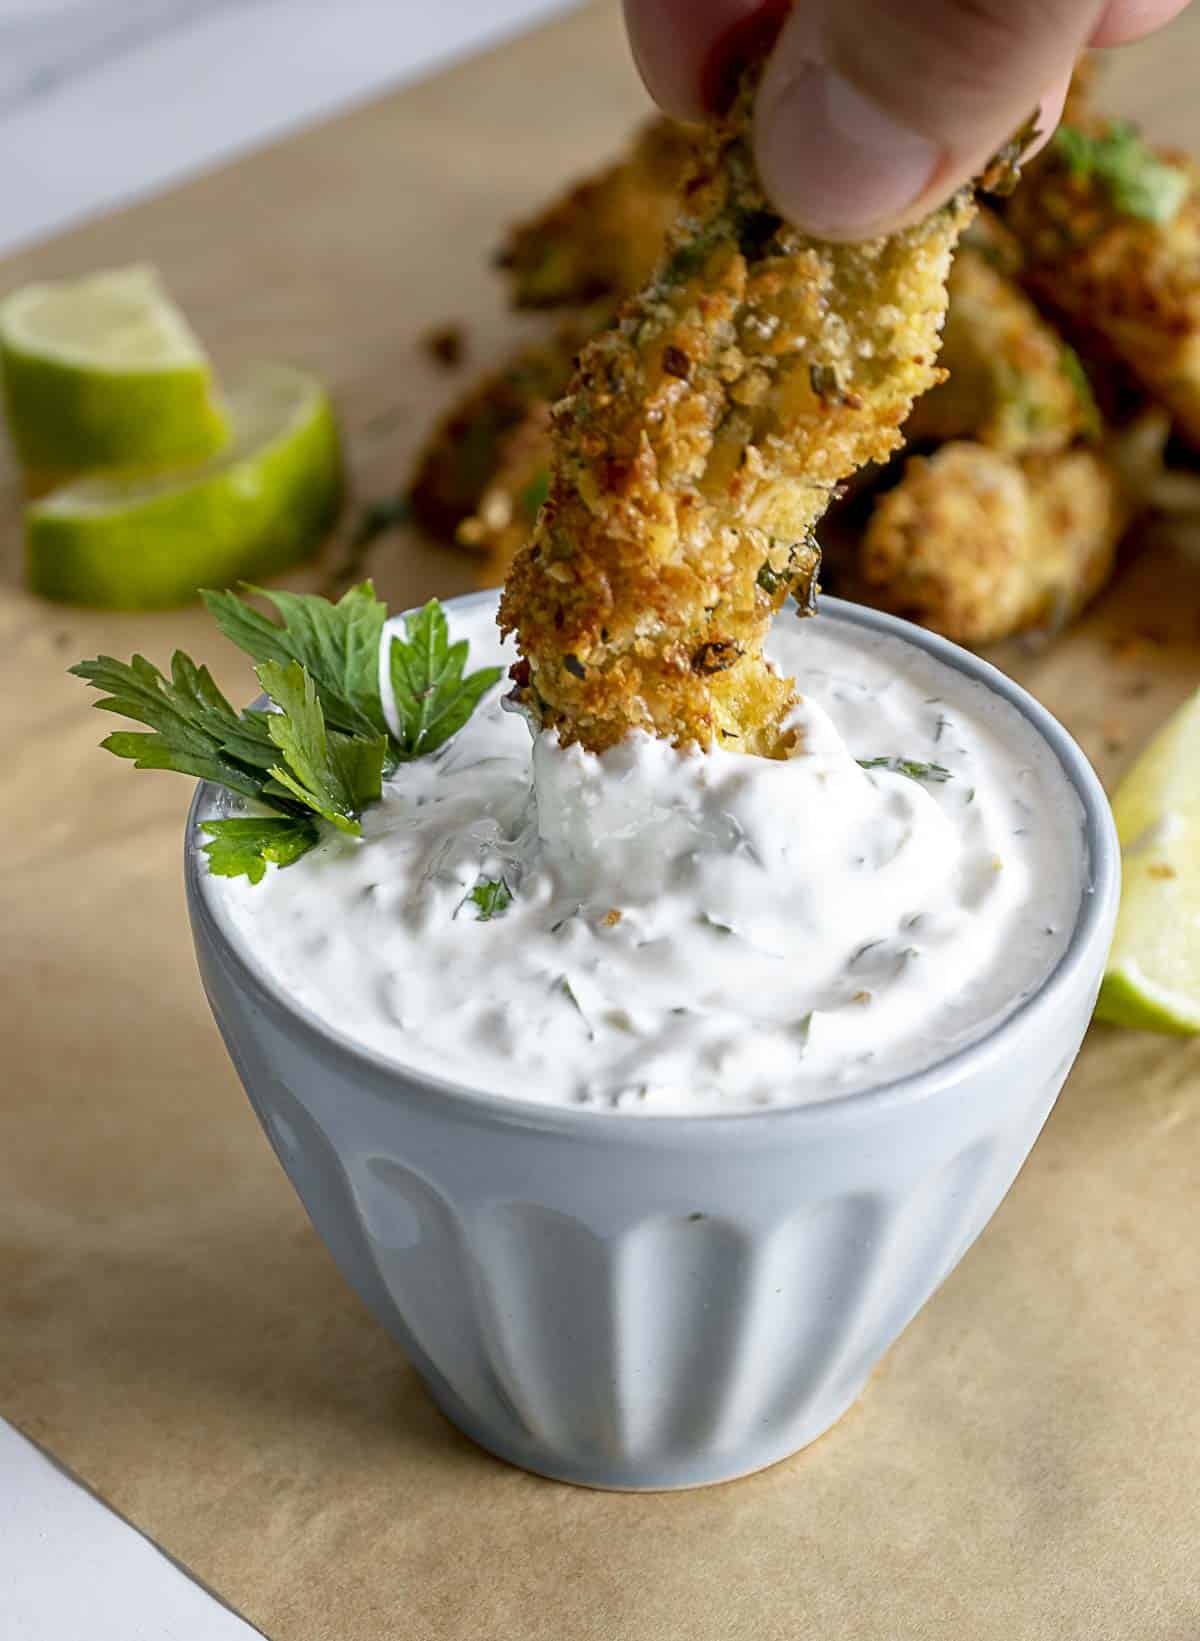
(104, 372)
(263, 504)
(1153, 976)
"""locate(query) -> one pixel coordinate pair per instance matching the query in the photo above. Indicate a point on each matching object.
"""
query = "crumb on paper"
(447, 345)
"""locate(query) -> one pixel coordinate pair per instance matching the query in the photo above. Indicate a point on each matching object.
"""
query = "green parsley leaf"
(336, 644)
(1138, 182)
(336, 776)
(915, 770)
(322, 754)
(194, 730)
(433, 699)
(243, 847)
(492, 897)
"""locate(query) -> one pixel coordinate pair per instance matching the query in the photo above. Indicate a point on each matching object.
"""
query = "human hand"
(872, 112)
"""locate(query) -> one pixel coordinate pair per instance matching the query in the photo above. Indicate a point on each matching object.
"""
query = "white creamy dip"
(693, 932)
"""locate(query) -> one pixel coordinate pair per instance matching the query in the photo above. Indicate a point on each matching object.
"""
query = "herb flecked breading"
(1110, 233)
(1013, 383)
(977, 543)
(672, 493)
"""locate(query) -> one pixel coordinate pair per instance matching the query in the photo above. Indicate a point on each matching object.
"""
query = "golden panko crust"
(699, 443)
(1012, 382)
(979, 544)
(1125, 284)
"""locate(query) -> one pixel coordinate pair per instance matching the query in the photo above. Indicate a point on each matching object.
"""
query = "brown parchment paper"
(1025, 1463)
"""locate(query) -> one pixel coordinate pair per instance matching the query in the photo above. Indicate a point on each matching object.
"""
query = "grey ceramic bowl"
(655, 1302)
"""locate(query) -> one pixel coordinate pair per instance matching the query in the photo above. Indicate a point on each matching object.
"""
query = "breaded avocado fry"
(1110, 232)
(1013, 383)
(699, 443)
(979, 544)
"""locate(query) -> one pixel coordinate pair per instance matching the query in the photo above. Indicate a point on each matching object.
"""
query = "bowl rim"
(1093, 928)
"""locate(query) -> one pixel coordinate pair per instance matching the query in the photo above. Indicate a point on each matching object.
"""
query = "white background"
(102, 101)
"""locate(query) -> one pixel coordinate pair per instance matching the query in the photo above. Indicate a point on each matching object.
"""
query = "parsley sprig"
(336, 644)
(245, 846)
(320, 756)
(433, 698)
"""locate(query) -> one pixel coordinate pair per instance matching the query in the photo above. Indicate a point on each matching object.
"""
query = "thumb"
(872, 112)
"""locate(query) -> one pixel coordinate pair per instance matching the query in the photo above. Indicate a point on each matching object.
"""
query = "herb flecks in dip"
(663, 931)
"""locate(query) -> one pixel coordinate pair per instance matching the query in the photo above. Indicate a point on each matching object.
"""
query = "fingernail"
(833, 161)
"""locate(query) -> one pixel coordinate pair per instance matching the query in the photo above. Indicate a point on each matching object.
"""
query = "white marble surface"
(102, 101)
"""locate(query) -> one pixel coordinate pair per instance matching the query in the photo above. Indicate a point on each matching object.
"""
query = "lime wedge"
(263, 504)
(1153, 976)
(104, 372)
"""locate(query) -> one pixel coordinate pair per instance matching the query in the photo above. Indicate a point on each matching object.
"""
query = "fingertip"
(1124, 21)
(830, 159)
(688, 52)
(671, 42)
(744, 40)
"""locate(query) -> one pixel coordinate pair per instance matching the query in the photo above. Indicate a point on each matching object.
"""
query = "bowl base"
(664, 1474)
